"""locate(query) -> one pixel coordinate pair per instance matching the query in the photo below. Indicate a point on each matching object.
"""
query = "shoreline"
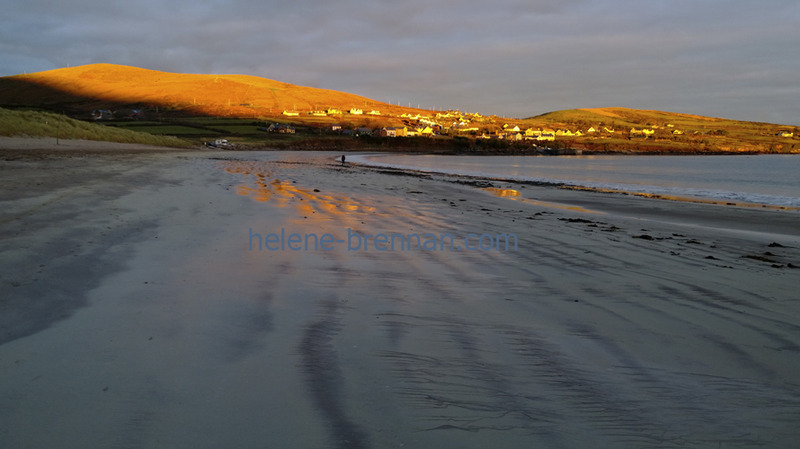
(476, 179)
(134, 311)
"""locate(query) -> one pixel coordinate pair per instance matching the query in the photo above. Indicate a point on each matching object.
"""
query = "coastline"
(136, 311)
(554, 173)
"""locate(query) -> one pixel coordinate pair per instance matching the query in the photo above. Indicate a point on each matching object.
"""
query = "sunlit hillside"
(96, 86)
(639, 130)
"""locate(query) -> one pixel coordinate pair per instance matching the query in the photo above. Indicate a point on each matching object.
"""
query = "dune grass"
(45, 124)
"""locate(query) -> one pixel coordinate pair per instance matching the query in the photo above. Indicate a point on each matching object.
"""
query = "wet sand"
(134, 313)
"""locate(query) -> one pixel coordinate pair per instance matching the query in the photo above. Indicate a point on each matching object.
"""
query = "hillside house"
(281, 128)
(374, 112)
(356, 111)
(425, 131)
(591, 130)
(102, 114)
(463, 127)
(363, 131)
(290, 113)
(318, 113)
(393, 132)
(334, 111)
(786, 134)
(643, 133)
(547, 135)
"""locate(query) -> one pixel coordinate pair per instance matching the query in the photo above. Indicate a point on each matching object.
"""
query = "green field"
(164, 129)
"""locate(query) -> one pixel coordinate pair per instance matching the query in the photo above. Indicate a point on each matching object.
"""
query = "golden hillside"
(84, 88)
(660, 131)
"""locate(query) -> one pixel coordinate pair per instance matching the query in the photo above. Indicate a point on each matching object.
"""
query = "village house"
(531, 133)
(374, 112)
(425, 131)
(318, 113)
(591, 130)
(102, 114)
(644, 132)
(393, 132)
(428, 121)
(356, 111)
(281, 128)
(786, 134)
(290, 113)
(547, 135)
(334, 111)
(463, 127)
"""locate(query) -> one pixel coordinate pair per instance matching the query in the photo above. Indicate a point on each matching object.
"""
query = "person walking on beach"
(343, 159)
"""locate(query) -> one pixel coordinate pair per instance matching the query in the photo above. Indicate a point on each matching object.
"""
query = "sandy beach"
(158, 299)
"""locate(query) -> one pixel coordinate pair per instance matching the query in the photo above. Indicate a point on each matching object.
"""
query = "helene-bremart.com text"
(358, 241)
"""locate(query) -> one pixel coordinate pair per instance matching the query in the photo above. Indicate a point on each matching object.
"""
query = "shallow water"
(765, 179)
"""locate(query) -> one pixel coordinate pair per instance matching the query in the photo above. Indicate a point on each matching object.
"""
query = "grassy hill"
(79, 90)
(47, 124)
(671, 132)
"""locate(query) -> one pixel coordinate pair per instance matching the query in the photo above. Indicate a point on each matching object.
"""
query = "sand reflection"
(310, 203)
(517, 196)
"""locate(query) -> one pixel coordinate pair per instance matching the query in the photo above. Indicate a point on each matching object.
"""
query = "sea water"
(761, 179)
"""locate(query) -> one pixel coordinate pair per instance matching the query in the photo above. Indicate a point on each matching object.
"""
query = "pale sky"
(516, 58)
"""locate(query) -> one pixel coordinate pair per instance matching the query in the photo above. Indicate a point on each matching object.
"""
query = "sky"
(736, 59)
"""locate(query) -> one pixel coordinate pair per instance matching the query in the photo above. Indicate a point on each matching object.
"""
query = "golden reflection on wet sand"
(517, 196)
(308, 202)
